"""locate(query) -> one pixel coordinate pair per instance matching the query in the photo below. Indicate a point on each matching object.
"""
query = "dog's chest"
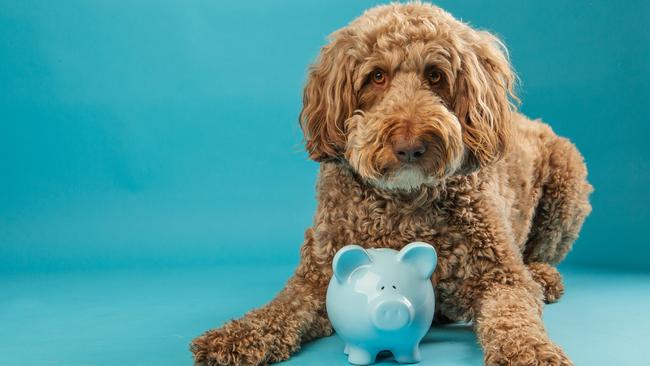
(389, 224)
(350, 213)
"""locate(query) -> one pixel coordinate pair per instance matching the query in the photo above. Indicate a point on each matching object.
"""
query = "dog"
(413, 118)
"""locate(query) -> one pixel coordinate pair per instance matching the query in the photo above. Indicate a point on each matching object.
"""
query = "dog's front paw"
(526, 352)
(230, 346)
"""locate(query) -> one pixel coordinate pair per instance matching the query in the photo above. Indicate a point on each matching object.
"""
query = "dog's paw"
(550, 279)
(526, 353)
(230, 347)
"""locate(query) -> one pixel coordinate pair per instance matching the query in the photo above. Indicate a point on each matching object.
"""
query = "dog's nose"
(409, 151)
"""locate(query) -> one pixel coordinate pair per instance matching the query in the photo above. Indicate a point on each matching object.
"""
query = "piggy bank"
(382, 300)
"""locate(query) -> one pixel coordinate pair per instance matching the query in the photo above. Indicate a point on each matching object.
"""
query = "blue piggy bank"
(382, 300)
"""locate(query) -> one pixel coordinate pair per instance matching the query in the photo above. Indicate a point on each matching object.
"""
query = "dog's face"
(408, 95)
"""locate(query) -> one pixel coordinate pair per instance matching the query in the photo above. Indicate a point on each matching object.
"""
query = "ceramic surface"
(382, 299)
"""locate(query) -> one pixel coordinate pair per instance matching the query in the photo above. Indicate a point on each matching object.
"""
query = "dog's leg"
(505, 299)
(272, 333)
(563, 206)
(510, 329)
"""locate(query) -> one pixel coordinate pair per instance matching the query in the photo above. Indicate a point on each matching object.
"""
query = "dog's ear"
(483, 100)
(328, 100)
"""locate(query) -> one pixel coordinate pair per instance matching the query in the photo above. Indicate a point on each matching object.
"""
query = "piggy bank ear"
(347, 259)
(421, 256)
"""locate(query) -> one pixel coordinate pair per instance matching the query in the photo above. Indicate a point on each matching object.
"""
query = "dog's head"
(408, 95)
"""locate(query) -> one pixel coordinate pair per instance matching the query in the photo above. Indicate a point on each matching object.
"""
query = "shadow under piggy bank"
(449, 345)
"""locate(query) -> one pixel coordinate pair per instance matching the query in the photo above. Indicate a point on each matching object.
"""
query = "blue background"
(143, 137)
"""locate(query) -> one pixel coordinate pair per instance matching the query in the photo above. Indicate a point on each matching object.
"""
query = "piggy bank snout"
(392, 314)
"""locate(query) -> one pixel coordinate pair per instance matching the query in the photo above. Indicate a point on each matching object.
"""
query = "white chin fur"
(406, 179)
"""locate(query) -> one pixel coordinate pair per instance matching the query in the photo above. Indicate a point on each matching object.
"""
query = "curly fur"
(501, 197)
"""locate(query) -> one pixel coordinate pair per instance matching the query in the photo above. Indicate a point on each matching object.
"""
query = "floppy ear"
(347, 259)
(421, 256)
(328, 100)
(482, 99)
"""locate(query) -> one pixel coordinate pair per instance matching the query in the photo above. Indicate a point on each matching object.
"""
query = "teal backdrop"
(146, 133)
(153, 184)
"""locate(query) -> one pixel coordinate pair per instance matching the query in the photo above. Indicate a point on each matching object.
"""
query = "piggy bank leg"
(409, 355)
(359, 356)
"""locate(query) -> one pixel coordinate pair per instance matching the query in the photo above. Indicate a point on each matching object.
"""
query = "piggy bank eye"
(382, 287)
(394, 287)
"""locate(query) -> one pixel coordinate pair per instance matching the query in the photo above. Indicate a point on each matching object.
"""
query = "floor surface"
(148, 317)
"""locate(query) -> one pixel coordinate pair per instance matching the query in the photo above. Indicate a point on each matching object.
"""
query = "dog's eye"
(434, 76)
(378, 77)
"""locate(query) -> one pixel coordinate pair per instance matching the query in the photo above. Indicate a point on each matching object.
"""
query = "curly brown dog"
(410, 113)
